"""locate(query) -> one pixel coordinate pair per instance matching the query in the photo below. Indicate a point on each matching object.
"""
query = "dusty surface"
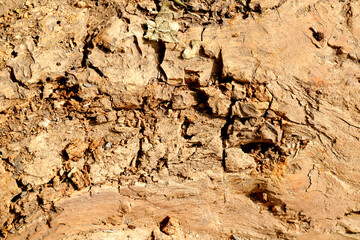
(149, 120)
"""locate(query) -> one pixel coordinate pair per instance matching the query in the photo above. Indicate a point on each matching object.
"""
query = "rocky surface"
(151, 120)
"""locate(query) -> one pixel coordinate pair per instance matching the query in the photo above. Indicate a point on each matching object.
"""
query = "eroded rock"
(75, 150)
(236, 160)
(45, 161)
(9, 189)
(184, 99)
(218, 102)
(169, 226)
(8, 90)
(250, 108)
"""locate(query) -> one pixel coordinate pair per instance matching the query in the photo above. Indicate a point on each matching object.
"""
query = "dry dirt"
(224, 119)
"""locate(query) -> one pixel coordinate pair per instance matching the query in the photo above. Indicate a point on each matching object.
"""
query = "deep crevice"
(184, 128)
(261, 147)
(96, 69)
(87, 47)
(224, 132)
(140, 151)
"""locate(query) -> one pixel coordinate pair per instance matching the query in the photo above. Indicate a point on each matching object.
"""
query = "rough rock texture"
(151, 120)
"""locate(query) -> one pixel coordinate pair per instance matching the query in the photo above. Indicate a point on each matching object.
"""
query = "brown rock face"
(159, 120)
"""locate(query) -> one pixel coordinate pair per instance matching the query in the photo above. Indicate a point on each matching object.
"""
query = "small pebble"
(80, 4)
(108, 145)
(234, 237)
(44, 123)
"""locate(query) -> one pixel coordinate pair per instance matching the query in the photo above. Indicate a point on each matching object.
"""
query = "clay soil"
(200, 119)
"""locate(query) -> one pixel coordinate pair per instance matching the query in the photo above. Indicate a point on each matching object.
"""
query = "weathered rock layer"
(144, 120)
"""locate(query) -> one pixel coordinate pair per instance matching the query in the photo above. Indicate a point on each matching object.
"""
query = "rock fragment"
(218, 102)
(271, 132)
(128, 99)
(81, 4)
(236, 160)
(125, 206)
(254, 130)
(239, 67)
(111, 38)
(175, 74)
(8, 189)
(79, 178)
(205, 142)
(101, 119)
(122, 56)
(148, 6)
(196, 69)
(191, 51)
(44, 123)
(239, 91)
(21, 64)
(169, 225)
(184, 99)
(262, 93)
(250, 108)
(164, 27)
(75, 150)
(8, 90)
(46, 159)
